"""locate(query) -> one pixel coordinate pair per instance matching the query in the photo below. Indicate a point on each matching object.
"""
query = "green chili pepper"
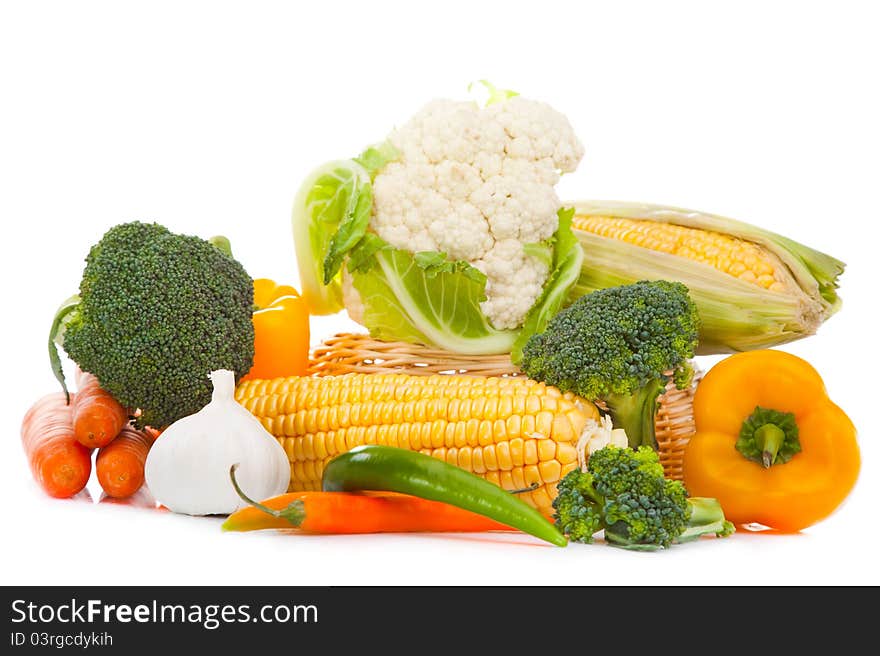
(374, 467)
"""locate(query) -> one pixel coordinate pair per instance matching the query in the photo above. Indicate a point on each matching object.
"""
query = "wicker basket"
(348, 353)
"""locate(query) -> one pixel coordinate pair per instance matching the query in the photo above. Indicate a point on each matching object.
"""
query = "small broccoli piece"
(578, 507)
(158, 312)
(624, 492)
(641, 506)
(620, 345)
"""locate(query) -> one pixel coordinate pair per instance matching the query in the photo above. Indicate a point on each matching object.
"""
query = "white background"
(205, 117)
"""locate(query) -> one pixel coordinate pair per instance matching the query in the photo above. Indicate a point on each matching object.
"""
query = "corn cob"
(514, 432)
(753, 288)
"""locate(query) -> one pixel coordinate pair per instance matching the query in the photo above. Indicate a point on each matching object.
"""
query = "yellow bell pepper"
(281, 331)
(770, 445)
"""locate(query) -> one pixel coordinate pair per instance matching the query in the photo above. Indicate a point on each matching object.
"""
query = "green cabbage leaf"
(425, 298)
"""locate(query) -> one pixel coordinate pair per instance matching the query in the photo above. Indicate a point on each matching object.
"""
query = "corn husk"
(735, 315)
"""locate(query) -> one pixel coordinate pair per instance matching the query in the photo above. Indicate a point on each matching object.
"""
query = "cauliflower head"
(450, 232)
(477, 183)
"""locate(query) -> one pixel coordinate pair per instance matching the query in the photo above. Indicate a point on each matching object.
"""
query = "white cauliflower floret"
(514, 282)
(419, 207)
(536, 131)
(478, 183)
(520, 202)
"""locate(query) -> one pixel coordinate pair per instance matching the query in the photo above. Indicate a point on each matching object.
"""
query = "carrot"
(358, 512)
(97, 416)
(59, 463)
(120, 464)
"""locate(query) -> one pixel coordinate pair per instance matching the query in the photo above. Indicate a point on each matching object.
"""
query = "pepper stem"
(769, 438)
(294, 513)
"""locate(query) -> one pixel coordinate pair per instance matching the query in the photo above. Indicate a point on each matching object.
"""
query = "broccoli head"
(620, 345)
(156, 313)
(624, 492)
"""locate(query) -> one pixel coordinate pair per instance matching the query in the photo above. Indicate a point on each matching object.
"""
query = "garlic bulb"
(187, 468)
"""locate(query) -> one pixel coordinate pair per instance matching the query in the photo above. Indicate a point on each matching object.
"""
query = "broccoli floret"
(620, 345)
(157, 312)
(624, 492)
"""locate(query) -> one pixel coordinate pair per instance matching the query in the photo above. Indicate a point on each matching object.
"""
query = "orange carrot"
(120, 464)
(97, 417)
(59, 463)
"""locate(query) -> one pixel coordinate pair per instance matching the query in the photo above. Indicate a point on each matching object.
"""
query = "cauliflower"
(477, 184)
(449, 233)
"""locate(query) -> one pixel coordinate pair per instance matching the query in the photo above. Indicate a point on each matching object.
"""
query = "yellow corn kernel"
(438, 433)
(499, 431)
(462, 437)
(464, 458)
(542, 498)
(550, 471)
(530, 451)
(502, 455)
(424, 433)
(489, 459)
(546, 449)
(528, 426)
(340, 441)
(320, 449)
(477, 461)
(544, 423)
(308, 446)
(514, 426)
(484, 432)
(566, 453)
(532, 475)
(516, 451)
(391, 439)
(289, 446)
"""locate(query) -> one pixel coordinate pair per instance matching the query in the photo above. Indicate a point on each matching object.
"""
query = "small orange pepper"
(281, 331)
(770, 445)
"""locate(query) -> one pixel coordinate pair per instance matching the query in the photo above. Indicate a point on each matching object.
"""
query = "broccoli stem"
(707, 517)
(769, 439)
(635, 413)
(616, 537)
